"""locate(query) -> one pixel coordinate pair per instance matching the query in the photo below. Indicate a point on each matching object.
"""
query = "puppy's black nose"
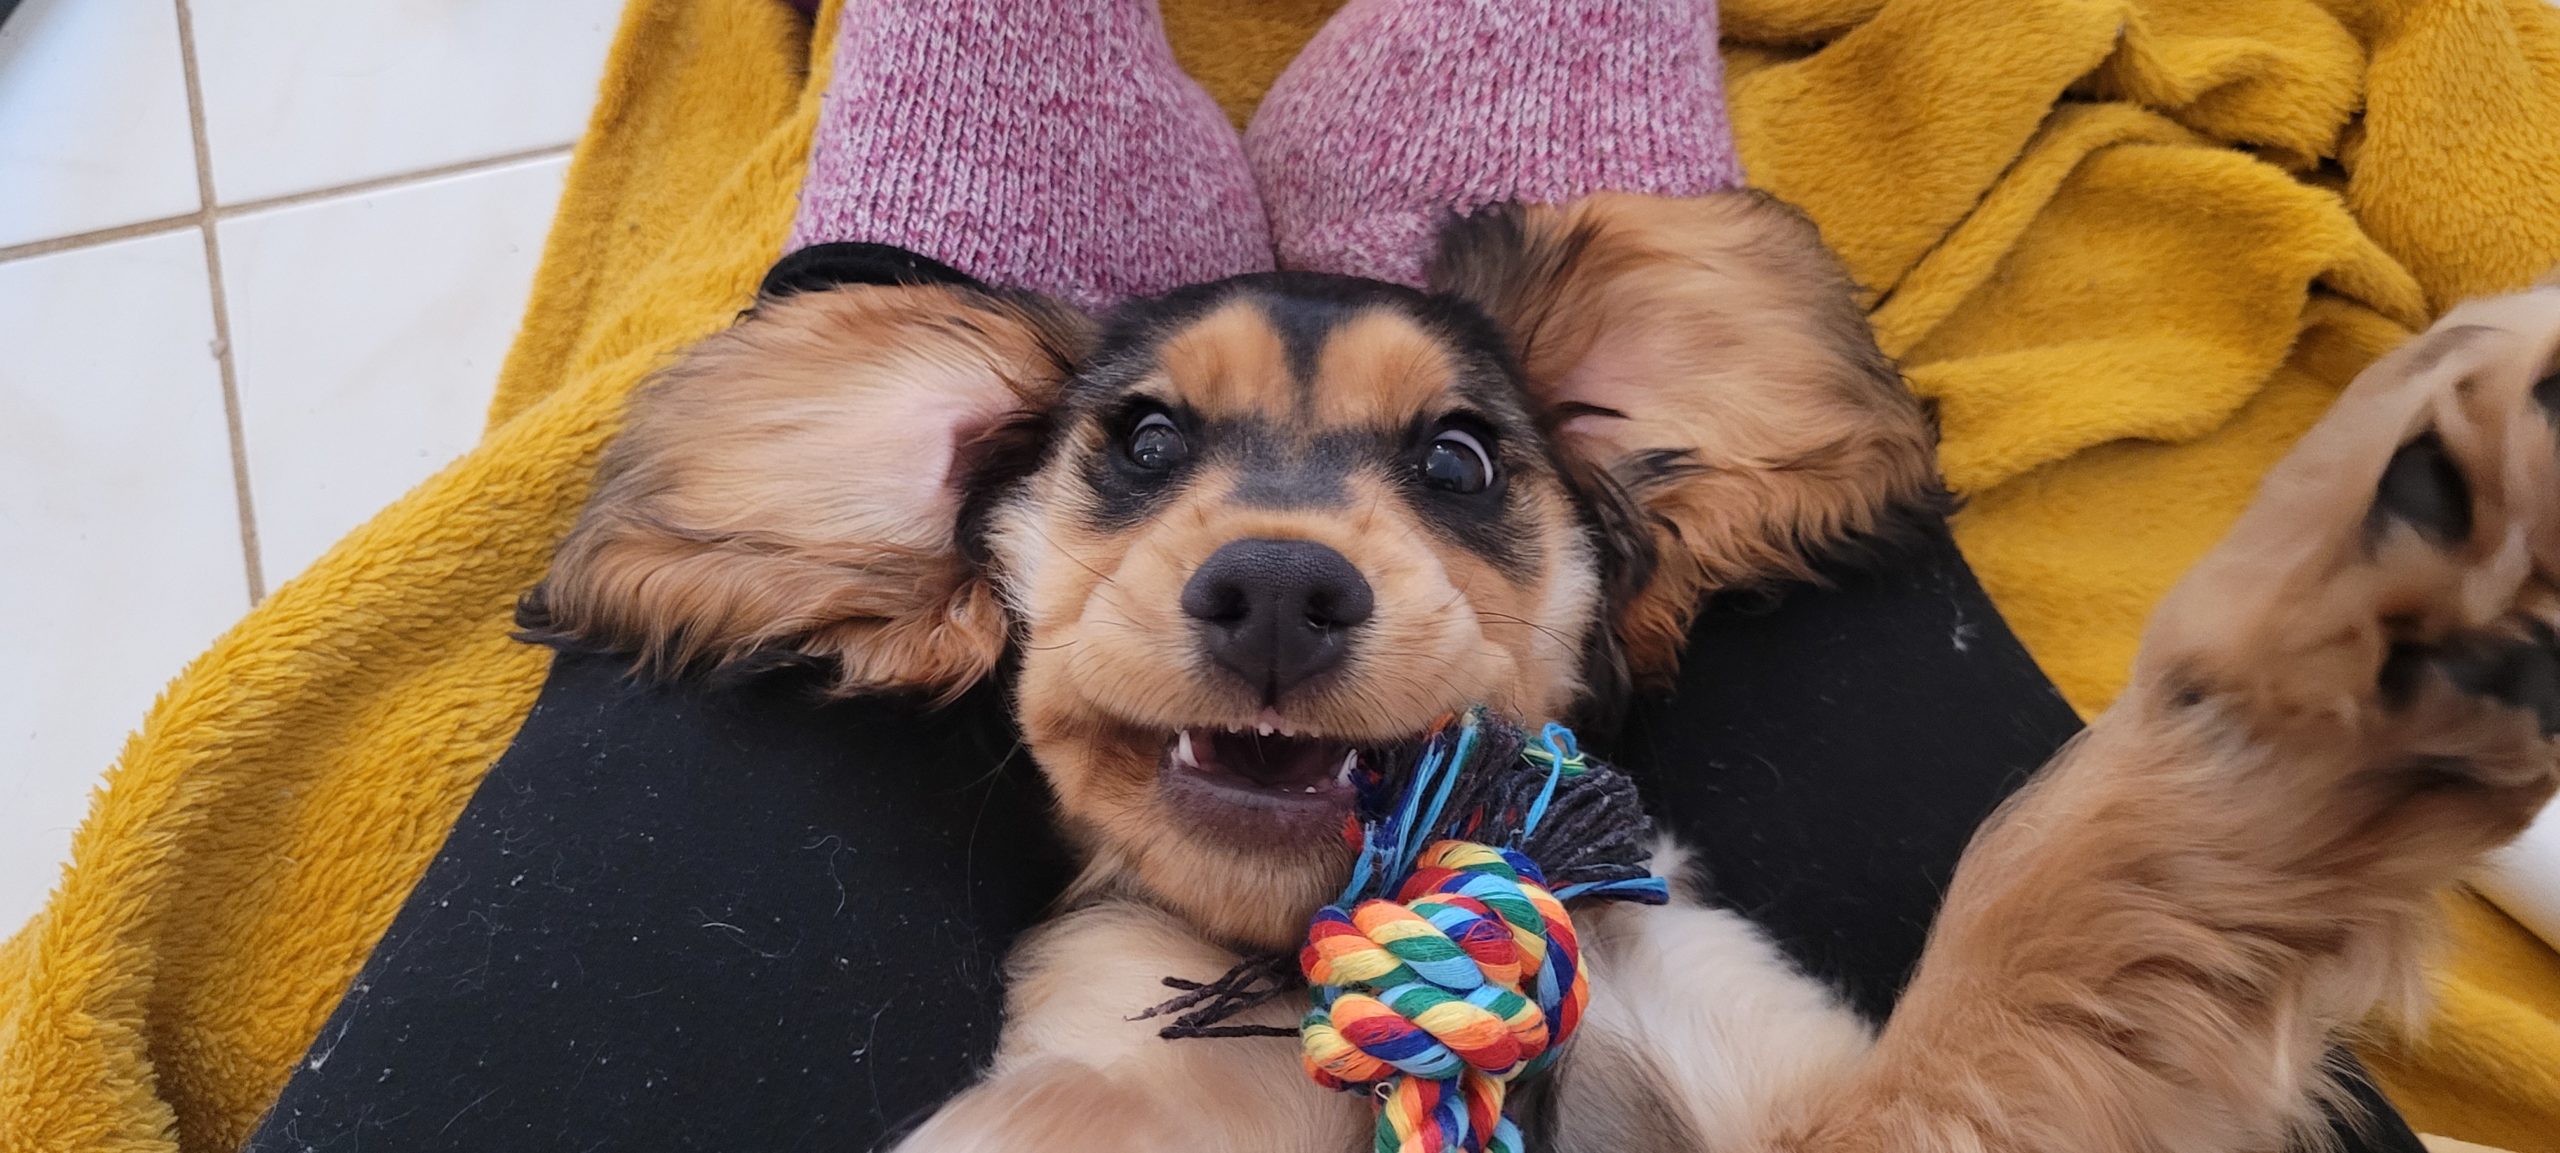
(1277, 612)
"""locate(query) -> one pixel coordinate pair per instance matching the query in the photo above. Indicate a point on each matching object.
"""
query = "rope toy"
(1465, 981)
(1449, 969)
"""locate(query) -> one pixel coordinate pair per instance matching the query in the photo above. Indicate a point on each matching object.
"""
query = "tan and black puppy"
(1244, 536)
(1253, 531)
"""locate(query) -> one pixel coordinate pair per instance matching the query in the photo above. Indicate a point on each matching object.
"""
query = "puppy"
(1247, 536)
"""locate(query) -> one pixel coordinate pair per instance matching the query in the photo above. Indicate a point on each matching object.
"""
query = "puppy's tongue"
(1289, 764)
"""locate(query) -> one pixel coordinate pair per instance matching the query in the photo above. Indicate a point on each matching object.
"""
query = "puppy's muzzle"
(1277, 613)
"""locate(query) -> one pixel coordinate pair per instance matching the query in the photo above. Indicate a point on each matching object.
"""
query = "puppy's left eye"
(1457, 462)
(1155, 443)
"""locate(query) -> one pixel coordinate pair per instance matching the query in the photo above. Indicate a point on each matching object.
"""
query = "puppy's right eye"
(1155, 444)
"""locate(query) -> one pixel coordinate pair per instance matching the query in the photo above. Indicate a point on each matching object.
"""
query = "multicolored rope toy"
(1449, 968)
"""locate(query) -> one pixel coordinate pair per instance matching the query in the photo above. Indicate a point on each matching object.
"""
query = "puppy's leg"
(1074, 1072)
(2338, 711)
(1697, 1026)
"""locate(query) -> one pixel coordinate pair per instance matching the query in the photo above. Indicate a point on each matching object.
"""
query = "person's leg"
(691, 918)
(1826, 755)
(736, 917)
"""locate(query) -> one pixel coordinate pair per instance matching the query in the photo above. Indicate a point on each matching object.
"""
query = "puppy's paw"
(2384, 614)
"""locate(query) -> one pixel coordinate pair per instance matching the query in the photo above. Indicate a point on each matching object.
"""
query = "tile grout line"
(139, 228)
(51, 245)
(378, 183)
(205, 217)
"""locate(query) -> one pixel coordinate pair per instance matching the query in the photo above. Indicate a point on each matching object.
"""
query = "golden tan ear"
(1707, 374)
(799, 487)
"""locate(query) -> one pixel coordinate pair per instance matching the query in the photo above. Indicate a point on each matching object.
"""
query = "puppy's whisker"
(1507, 619)
(1068, 553)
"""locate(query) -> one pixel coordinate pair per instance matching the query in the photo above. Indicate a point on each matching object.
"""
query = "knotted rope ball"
(1469, 978)
(1449, 968)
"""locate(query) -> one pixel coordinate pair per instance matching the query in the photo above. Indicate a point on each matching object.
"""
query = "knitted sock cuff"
(1056, 147)
(1400, 112)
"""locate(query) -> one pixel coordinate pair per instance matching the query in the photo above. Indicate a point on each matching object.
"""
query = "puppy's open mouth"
(1261, 786)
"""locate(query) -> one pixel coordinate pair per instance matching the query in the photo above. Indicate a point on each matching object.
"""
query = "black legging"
(741, 919)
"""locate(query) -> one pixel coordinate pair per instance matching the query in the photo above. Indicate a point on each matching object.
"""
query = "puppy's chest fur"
(1697, 1027)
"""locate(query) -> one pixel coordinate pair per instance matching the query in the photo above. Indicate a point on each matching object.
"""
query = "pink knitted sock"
(1045, 144)
(1401, 111)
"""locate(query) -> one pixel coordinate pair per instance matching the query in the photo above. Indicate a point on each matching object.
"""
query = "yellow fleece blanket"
(2129, 247)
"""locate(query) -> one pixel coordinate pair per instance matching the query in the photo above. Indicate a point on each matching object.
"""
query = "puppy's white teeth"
(1266, 728)
(1308, 789)
(1182, 754)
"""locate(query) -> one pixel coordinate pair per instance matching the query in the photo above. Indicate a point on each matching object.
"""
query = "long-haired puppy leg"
(2339, 710)
(1080, 1069)
(1698, 1026)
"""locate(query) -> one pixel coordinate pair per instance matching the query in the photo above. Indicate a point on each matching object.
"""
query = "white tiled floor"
(344, 318)
(373, 182)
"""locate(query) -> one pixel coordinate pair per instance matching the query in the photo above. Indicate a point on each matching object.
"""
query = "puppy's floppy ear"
(1716, 396)
(805, 486)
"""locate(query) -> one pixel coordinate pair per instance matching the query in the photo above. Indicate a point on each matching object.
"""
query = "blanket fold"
(2130, 248)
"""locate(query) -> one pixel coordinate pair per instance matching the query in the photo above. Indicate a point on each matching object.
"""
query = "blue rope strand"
(1558, 744)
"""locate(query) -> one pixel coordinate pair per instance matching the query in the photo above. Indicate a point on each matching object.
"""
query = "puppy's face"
(1285, 523)
(1254, 533)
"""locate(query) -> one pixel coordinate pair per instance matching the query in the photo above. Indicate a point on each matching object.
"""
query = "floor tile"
(305, 94)
(116, 499)
(366, 334)
(93, 118)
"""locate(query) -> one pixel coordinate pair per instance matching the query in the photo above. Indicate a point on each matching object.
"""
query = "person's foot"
(1049, 146)
(1400, 112)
